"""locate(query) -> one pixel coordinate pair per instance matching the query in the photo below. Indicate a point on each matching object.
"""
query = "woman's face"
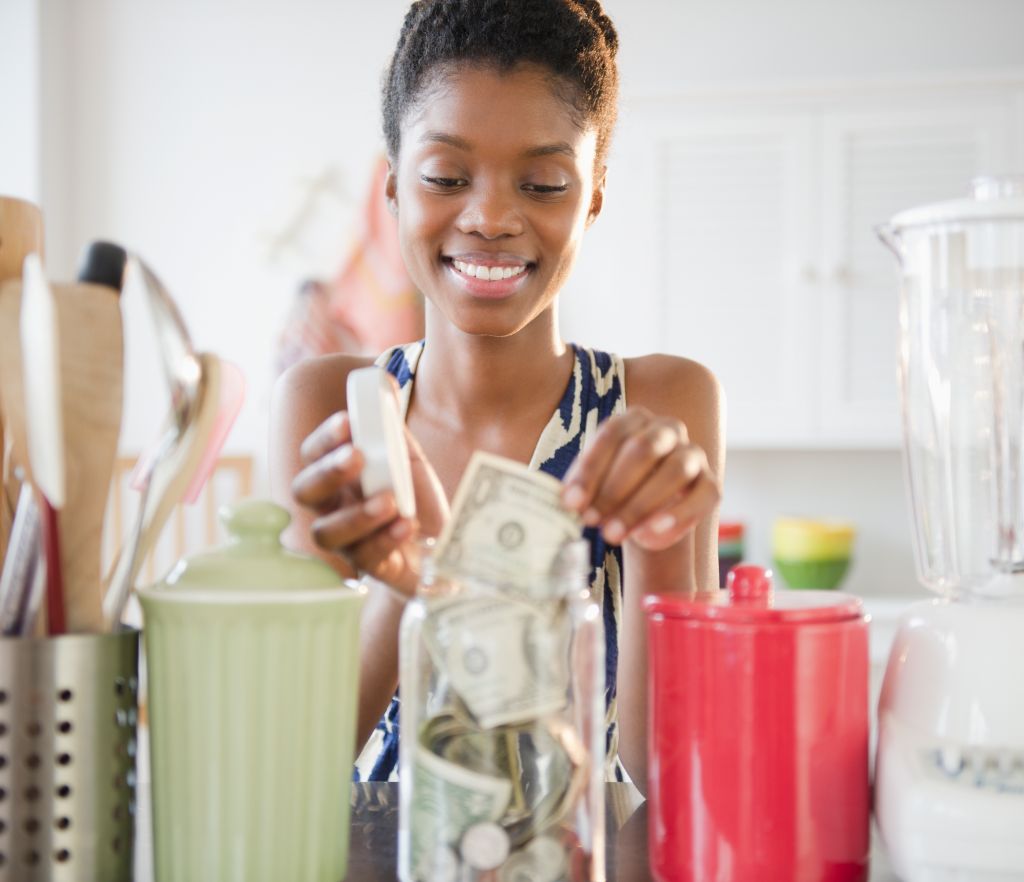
(493, 190)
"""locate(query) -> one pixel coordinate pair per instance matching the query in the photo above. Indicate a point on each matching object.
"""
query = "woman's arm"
(657, 470)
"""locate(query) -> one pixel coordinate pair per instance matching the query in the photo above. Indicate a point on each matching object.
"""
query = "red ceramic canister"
(758, 735)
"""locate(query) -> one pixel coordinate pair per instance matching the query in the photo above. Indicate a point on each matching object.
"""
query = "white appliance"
(949, 773)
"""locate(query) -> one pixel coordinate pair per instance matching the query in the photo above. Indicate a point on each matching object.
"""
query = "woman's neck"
(473, 378)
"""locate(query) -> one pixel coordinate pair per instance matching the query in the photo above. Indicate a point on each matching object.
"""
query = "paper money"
(507, 526)
(507, 660)
(447, 800)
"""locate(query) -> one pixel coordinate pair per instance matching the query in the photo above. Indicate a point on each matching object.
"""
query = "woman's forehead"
(470, 106)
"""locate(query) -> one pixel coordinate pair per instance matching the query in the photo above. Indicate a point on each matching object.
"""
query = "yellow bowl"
(806, 539)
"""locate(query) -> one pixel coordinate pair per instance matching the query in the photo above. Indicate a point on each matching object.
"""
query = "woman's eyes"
(443, 183)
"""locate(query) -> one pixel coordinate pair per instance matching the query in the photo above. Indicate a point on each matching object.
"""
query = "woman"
(497, 117)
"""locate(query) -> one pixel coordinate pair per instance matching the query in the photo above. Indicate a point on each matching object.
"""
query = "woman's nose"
(490, 213)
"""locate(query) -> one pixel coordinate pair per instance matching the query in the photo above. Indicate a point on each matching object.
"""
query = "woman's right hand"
(369, 534)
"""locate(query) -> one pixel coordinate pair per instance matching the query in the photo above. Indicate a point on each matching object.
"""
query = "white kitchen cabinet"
(743, 232)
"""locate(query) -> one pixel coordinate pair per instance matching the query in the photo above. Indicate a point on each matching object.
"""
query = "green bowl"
(824, 574)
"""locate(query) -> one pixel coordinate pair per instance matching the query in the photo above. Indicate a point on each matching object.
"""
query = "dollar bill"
(447, 800)
(507, 660)
(507, 526)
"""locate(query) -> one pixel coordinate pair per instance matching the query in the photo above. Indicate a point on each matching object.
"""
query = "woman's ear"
(597, 197)
(391, 188)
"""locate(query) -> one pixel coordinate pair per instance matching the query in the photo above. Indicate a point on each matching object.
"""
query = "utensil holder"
(68, 715)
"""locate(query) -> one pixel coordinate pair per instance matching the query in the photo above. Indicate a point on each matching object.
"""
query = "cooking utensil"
(758, 734)
(949, 774)
(183, 373)
(23, 570)
(102, 263)
(168, 475)
(21, 233)
(44, 427)
(89, 326)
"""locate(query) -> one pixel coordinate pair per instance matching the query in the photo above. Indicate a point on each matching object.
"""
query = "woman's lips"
(488, 279)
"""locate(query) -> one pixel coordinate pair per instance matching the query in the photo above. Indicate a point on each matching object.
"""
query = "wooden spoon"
(92, 365)
(21, 233)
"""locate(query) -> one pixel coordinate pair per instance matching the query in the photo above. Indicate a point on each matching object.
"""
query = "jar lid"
(749, 597)
(993, 198)
(253, 558)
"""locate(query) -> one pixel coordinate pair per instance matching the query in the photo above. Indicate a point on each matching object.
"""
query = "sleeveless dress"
(596, 390)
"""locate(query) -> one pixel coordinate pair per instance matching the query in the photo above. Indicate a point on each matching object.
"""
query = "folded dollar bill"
(507, 526)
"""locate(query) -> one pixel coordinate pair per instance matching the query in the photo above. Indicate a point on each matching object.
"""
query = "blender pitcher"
(949, 780)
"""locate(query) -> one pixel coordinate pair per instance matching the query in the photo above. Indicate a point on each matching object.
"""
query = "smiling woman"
(497, 117)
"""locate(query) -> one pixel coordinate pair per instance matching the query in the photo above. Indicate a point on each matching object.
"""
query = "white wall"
(188, 130)
(19, 99)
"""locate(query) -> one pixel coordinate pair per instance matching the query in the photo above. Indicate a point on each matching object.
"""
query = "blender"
(949, 774)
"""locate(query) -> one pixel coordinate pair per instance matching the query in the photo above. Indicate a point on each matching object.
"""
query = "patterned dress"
(596, 390)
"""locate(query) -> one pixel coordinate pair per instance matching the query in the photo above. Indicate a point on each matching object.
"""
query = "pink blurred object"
(232, 395)
(230, 399)
(370, 305)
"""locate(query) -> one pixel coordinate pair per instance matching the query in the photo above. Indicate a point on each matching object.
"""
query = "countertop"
(374, 828)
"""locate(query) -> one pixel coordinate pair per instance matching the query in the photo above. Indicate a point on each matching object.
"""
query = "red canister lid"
(750, 597)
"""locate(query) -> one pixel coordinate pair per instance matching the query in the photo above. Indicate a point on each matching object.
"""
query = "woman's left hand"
(641, 481)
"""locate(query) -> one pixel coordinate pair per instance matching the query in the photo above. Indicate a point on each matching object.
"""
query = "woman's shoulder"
(319, 383)
(674, 384)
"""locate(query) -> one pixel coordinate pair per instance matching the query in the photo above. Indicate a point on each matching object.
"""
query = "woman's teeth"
(490, 273)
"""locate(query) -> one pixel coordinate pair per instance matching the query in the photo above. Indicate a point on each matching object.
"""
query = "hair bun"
(595, 12)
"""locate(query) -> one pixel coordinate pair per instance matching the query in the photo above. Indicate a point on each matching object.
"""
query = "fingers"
(670, 524)
(671, 476)
(329, 479)
(588, 474)
(641, 479)
(331, 433)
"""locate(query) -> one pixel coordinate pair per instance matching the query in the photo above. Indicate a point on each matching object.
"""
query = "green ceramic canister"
(252, 657)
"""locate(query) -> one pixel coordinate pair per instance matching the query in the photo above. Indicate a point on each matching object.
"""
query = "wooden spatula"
(21, 233)
(92, 359)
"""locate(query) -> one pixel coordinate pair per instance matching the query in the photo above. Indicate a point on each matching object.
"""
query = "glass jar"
(502, 751)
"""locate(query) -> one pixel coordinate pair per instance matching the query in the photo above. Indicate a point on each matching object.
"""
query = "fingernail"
(377, 505)
(400, 529)
(591, 517)
(664, 523)
(614, 531)
(574, 497)
(339, 457)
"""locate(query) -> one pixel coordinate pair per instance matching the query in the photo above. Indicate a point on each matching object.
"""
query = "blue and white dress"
(596, 390)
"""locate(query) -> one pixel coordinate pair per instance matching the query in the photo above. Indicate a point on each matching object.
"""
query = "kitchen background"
(231, 144)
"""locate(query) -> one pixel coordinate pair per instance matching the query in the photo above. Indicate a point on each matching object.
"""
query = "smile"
(488, 273)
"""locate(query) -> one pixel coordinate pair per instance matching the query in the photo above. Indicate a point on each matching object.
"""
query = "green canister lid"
(253, 558)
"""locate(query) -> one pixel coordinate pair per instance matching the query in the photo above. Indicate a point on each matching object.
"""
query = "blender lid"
(751, 598)
(993, 198)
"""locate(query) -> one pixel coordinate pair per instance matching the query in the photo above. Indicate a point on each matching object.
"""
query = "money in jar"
(501, 755)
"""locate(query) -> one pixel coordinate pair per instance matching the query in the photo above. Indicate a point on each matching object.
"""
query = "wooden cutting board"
(92, 365)
(21, 233)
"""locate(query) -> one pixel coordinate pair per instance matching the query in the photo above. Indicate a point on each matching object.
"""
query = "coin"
(522, 867)
(550, 855)
(484, 846)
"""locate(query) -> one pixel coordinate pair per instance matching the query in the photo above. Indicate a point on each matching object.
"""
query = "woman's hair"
(573, 39)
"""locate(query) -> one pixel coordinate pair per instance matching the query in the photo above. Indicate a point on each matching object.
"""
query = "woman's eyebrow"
(549, 149)
(445, 138)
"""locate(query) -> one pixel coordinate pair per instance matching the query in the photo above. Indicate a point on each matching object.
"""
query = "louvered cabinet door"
(736, 237)
(875, 164)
